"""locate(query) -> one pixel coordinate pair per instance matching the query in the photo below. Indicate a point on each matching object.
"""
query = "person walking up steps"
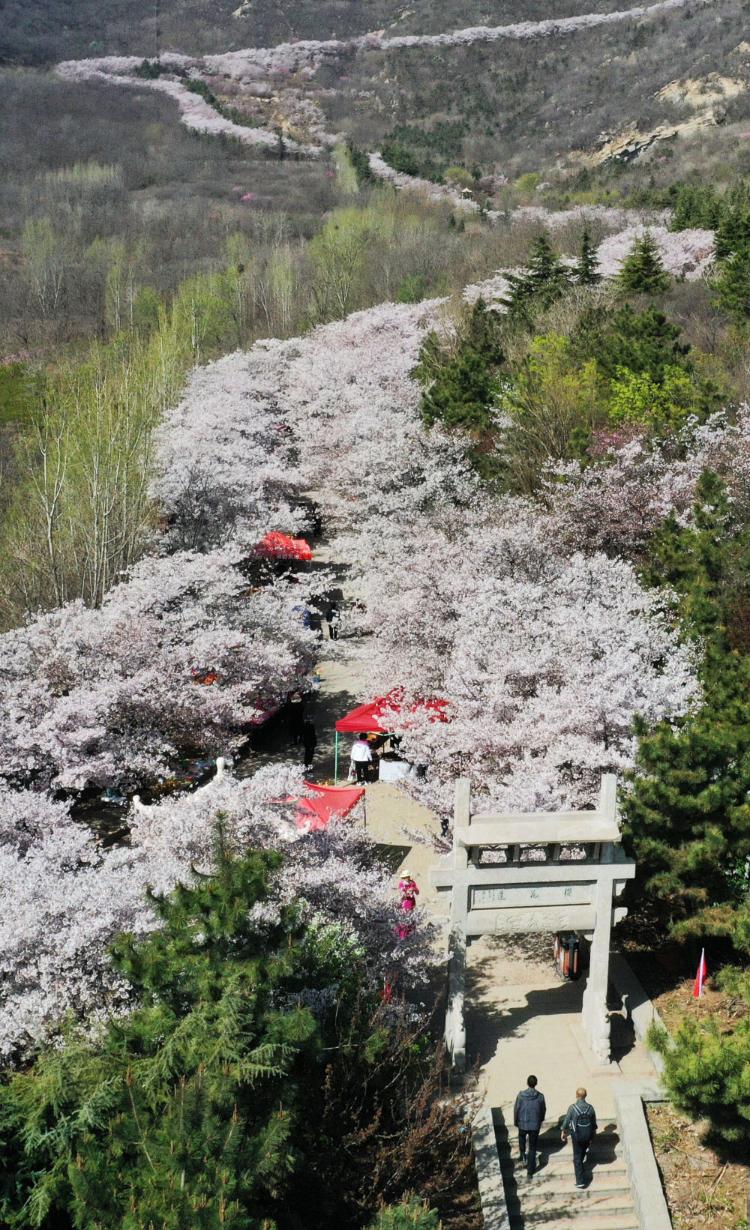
(580, 1122)
(528, 1116)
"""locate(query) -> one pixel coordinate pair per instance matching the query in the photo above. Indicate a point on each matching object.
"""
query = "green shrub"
(642, 272)
(413, 1214)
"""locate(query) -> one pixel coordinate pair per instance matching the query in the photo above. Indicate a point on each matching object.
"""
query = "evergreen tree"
(260, 1085)
(733, 228)
(706, 1066)
(687, 819)
(687, 814)
(708, 564)
(642, 271)
(542, 283)
(460, 377)
(697, 205)
(185, 1114)
(732, 285)
(643, 342)
(586, 268)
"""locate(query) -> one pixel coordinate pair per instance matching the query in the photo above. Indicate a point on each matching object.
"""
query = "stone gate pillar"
(455, 1028)
(594, 1007)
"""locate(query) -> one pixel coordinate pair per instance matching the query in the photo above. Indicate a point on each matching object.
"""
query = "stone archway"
(534, 872)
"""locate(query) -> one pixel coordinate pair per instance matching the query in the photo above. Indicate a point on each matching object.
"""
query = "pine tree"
(732, 285)
(642, 271)
(413, 1214)
(586, 268)
(542, 283)
(639, 341)
(733, 229)
(706, 1065)
(687, 819)
(260, 1084)
(184, 1115)
(687, 814)
(460, 378)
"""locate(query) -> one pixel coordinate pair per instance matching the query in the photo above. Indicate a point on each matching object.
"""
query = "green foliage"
(81, 512)
(585, 270)
(426, 152)
(708, 565)
(361, 164)
(649, 375)
(705, 1071)
(225, 1100)
(732, 285)
(460, 375)
(733, 226)
(149, 70)
(642, 342)
(696, 205)
(663, 405)
(183, 1114)
(551, 406)
(412, 1215)
(197, 85)
(642, 271)
(412, 289)
(528, 182)
(459, 176)
(542, 283)
(17, 393)
(687, 819)
(687, 814)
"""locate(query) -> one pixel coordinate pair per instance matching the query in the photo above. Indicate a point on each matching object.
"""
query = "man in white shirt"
(361, 756)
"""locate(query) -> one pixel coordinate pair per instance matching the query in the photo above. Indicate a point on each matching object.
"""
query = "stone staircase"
(550, 1200)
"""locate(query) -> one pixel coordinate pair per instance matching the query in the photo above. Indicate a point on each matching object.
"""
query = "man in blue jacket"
(528, 1116)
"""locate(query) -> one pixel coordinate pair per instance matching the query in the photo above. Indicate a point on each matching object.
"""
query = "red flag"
(700, 977)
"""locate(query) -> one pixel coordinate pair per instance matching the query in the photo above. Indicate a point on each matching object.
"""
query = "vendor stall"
(276, 545)
(326, 803)
(372, 719)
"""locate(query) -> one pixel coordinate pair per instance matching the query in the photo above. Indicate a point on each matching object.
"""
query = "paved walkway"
(522, 1018)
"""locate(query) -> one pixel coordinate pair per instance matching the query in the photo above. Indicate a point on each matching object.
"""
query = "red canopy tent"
(371, 719)
(326, 804)
(276, 545)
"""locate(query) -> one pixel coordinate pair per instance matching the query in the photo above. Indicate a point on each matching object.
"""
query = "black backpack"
(582, 1124)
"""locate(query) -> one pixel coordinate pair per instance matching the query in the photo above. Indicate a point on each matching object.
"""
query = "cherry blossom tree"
(71, 897)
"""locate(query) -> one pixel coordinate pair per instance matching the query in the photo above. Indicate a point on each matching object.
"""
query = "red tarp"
(328, 803)
(367, 718)
(282, 546)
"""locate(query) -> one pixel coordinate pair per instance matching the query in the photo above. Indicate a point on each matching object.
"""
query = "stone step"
(552, 1135)
(546, 1184)
(563, 1158)
(564, 1161)
(573, 1221)
(572, 1201)
(607, 1127)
